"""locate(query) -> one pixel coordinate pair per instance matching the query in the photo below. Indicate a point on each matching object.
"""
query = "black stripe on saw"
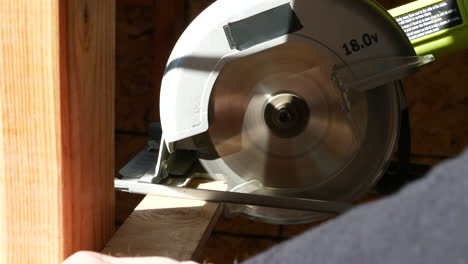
(262, 27)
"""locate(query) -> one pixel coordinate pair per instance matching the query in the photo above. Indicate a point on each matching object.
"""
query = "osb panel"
(438, 104)
(196, 7)
(127, 147)
(135, 85)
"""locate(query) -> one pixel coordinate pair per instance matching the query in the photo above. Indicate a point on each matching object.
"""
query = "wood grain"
(56, 128)
(159, 226)
(88, 121)
(167, 227)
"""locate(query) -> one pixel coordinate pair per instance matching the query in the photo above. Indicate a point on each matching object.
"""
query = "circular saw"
(288, 102)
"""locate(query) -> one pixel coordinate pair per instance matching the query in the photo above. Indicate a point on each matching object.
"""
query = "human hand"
(86, 257)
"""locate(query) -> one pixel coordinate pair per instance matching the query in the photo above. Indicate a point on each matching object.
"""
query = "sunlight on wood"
(158, 202)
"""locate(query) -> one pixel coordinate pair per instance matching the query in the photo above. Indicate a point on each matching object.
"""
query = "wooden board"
(159, 226)
(56, 128)
(167, 227)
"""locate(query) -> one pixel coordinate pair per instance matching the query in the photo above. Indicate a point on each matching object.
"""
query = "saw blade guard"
(204, 49)
(276, 121)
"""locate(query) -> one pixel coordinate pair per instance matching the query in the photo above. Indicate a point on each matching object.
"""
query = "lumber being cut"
(167, 227)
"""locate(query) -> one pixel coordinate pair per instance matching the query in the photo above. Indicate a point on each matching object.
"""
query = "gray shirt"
(427, 222)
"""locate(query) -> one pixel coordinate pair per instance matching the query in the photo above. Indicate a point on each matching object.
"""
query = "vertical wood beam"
(56, 128)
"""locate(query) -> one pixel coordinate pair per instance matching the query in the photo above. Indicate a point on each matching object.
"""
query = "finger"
(86, 257)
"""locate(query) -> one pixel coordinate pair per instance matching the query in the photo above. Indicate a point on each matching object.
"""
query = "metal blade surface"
(279, 126)
(317, 141)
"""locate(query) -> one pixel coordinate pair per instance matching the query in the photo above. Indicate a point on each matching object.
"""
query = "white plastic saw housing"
(203, 49)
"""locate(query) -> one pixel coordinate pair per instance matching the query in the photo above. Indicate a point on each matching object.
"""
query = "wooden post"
(56, 128)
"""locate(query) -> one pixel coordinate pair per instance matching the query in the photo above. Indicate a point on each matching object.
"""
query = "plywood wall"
(146, 33)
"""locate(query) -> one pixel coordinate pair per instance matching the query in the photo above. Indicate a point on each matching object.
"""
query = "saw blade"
(276, 118)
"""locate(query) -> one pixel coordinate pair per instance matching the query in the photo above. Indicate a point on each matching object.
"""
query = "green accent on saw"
(444, 41)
